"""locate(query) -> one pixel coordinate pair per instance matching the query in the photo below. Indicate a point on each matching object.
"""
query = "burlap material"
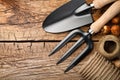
(99, 68)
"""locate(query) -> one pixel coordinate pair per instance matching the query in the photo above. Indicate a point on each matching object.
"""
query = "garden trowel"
(72, 15)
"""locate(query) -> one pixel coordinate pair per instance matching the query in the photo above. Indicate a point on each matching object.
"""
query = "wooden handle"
(100, 3)
(106, 17)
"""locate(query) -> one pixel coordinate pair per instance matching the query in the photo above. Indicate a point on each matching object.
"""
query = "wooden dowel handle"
(106, 17)
(100, 3)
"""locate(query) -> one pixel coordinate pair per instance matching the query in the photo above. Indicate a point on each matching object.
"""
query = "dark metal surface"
(84, 39)
(66, 18)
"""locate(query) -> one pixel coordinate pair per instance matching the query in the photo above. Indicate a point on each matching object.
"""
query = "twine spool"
(109, 46)
(99, 68)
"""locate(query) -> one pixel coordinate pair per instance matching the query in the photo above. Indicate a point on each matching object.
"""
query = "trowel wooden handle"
(100, 3)
(106, 17)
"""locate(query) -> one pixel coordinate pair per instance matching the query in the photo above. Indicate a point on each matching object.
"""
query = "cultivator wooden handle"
(106, 17)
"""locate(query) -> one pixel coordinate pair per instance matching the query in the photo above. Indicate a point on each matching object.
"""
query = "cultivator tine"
(71, 50)
(64, 42)
(85, 38)
(80, 56)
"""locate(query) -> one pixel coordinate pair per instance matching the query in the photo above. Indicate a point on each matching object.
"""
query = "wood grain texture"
(22, 19)
(30, 61)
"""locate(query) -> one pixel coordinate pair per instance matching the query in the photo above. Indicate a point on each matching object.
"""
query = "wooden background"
(24, 45)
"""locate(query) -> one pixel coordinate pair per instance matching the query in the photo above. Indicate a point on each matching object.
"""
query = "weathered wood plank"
(22, 19)
(30, 61)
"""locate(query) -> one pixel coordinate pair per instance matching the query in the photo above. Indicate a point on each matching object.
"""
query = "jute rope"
(99, 68)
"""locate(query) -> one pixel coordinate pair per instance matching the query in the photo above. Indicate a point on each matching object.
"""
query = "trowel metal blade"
(70, 16)
(69, 23)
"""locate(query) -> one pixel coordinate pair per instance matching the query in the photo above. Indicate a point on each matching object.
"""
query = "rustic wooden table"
(24, 45)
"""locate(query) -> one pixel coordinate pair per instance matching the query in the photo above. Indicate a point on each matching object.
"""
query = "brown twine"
(99, 68)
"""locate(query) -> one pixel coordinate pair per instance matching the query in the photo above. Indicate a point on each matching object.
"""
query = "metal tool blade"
(68, 17)
(63, 12)
(69, 23)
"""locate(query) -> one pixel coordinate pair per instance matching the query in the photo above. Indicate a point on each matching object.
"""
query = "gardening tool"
(72, 15)
(109, 46)
(94, 28)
